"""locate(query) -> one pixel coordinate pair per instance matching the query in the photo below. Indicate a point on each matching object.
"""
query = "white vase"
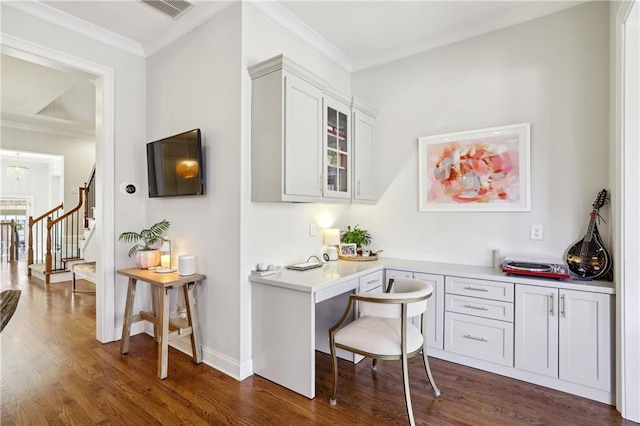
(146, 259)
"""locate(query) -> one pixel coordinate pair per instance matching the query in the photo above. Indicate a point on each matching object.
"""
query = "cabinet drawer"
(344, 287)
(485, 308)
(371, 281)
(480, 288)
(481, 338)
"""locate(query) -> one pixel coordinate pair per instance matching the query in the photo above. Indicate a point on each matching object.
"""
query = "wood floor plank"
(54, 372)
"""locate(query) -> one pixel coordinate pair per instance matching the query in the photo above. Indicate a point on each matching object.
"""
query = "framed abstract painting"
(478, 170)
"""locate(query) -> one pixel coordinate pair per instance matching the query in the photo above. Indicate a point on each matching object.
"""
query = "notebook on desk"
(304, 266)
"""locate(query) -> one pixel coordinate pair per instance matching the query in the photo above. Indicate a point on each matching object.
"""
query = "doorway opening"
(104, 80)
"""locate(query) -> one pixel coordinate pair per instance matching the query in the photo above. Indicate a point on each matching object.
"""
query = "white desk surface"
(337, 272)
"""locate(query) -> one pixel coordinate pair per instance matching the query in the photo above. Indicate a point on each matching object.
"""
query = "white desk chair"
(383, 330)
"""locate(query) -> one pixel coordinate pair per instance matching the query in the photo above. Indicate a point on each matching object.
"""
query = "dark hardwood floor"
(54, 371)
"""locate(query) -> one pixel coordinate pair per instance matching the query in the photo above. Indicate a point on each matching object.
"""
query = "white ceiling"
(37, 96)
(356, 34)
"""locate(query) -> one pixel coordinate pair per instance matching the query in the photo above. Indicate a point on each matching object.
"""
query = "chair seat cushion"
(380, 336)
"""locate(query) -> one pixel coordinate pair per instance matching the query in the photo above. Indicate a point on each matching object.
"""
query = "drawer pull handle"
(480, 308)
(372, 281)
(480, 339)
(553, 303)
(475, 289)
(563, 310)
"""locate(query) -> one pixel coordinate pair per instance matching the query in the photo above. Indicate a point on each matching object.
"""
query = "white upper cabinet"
(302, 141)
(286, 131)
(301, 138)
(364, 140)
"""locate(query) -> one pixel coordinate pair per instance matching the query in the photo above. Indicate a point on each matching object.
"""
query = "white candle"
(165, 260)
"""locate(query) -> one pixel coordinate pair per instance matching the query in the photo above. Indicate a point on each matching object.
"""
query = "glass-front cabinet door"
(337, 147)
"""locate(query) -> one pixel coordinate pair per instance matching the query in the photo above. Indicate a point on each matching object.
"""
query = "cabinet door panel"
(435, 310)
(585, 338)
(364, 171)
(337, 149)
(536, 329)
(303, 138)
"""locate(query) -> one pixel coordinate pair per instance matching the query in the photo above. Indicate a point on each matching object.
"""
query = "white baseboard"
(214, 359)
(136, 328)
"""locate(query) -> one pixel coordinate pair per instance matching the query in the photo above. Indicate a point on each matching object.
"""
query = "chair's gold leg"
(436, 391)
(407, 394)
(334, 368)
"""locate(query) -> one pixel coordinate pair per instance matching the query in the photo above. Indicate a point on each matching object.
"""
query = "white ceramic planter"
(146, 259)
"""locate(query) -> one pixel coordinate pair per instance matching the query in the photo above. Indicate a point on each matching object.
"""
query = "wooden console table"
(163, 328)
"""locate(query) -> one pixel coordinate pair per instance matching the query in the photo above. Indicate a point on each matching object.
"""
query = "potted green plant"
(146, 255)
(357, 236)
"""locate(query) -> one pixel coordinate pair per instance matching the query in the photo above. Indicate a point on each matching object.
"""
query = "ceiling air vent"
(171, 8)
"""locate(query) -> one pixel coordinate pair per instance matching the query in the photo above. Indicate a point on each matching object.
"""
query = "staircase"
(57, 239)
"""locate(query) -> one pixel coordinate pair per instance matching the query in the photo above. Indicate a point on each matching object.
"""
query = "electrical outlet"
(312, 229)
(536, 232)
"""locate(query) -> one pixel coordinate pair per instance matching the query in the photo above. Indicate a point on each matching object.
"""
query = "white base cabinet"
(565, 334)
(543, 334)
(479, 319)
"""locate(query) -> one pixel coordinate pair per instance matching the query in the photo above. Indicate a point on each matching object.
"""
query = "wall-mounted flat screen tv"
(174, 165)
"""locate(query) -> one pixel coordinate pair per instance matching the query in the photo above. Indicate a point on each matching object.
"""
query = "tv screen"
(174, 165)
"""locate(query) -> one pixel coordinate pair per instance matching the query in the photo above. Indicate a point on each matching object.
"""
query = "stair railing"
(36, 236)
(90, 204)
(63, 238)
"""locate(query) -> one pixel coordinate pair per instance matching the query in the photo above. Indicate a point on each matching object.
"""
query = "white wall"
(195, 83)
(625, 153)
(277, 233)
(79, 157)
(37, 185)
(551, 72)
(129, 130)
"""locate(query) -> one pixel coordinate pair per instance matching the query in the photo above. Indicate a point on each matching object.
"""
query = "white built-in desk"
(284, 314)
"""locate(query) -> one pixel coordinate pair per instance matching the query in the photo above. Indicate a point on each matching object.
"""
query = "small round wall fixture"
(187, 169)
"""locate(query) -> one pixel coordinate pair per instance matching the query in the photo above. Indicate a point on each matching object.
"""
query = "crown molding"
(289, 21)
(465, 32)
(70, 22)
(187, 23)
(30, 127)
